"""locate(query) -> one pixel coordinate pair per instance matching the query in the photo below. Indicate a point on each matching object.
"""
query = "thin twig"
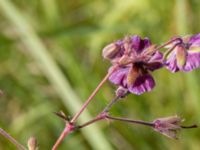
(169, 42)
(107, 108)
(12, 140)
(93, 94)
(73, 120)
(130, 121)
(190, 127)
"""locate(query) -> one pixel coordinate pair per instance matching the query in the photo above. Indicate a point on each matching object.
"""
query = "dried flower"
(186, 55)
(169, 126)
(136, 57)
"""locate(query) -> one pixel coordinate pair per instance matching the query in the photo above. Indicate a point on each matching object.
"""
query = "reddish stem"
(12, 140)
(93, 94)
(68, 128)
(98, 118)
(73, 120)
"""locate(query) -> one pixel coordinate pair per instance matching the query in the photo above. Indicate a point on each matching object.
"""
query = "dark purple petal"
(136, 42)
(193, 61)
(146, 42)
(195, 40)
(118, 76)
(139, 44)
(154, 66)
(143, 83)
(155, 62)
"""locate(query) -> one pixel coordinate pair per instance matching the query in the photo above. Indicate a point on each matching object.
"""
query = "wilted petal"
(143, 83)
(118, 76)
(193, 61)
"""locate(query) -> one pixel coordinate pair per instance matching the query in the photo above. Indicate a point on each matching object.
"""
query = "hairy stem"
(12, 140)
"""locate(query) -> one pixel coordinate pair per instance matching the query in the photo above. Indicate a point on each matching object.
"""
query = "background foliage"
(50, 60)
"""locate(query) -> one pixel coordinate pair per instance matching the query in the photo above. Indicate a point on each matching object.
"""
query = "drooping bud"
(110, 51)
(181, 55)
(32, 143)
(132, 75)
(121, 92)
(168, 126)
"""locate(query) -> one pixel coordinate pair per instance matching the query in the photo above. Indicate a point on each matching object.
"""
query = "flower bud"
(121, 92)
(181, 56)
(110, 51)
(32, 143)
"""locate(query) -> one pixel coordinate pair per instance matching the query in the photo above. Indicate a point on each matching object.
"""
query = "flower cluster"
(137, 58)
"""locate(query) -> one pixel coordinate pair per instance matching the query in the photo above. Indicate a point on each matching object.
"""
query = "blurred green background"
(50, 60)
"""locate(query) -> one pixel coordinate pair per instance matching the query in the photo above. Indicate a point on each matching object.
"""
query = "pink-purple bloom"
(144, 58)
(186, 55)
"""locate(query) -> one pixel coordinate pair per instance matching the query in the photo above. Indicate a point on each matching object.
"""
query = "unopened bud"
(110, 51)
(32, 143)
(181, 56)
(121, 92)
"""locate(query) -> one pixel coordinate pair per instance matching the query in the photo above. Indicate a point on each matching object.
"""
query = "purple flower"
(185, 56)
(144, 58)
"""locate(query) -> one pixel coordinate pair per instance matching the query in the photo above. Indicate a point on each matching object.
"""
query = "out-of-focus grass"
(50, 59)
